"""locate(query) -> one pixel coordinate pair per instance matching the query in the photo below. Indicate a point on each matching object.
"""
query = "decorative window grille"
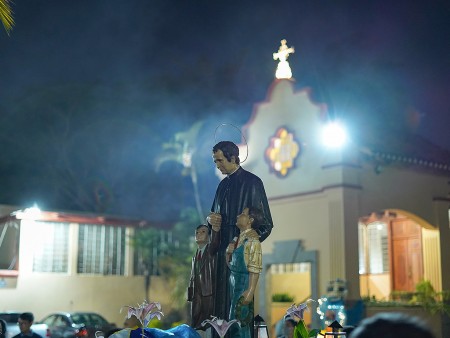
(51, 249)
(290, 268)
(101, 249)
(373, 248)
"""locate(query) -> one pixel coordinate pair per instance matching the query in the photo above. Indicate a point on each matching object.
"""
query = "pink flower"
(220, 325)
(143, 312)
(298, 311)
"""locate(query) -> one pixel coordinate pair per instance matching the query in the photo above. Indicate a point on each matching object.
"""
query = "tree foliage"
(168, 253)
(77, 147)
(6, 15)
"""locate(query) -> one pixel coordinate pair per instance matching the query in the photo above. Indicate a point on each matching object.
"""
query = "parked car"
(77, 324)
(12, 328)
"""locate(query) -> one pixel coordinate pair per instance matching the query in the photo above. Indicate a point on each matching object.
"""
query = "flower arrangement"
(300, 330)
(220, 325)
(145, 312)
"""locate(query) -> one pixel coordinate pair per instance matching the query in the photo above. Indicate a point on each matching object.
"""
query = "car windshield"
(89, 319)
(10, 317)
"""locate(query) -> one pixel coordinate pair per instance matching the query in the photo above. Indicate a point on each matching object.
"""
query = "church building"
(373, 214)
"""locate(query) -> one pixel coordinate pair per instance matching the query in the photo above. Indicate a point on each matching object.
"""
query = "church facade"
(375, 216)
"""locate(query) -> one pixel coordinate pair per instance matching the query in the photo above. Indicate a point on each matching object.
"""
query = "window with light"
(51, 247)
(373, 248)
(101, 249)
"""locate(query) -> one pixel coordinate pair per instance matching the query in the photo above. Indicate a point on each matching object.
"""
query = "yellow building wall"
(297, 285)
(378, 286)
(310, 219)
(432, 258)
(43, 294)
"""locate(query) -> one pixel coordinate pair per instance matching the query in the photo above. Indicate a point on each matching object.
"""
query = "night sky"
(91, 90)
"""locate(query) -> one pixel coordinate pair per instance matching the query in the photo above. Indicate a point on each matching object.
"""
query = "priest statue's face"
(226, 167)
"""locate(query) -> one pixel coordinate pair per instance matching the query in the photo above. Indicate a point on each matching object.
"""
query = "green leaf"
(300, 330)
(313, 333)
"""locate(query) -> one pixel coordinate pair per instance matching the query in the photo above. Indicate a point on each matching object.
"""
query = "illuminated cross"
(283, 68)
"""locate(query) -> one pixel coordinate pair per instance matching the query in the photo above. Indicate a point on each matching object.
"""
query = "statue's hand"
(215, 219)
(230, 248)
(247, 297)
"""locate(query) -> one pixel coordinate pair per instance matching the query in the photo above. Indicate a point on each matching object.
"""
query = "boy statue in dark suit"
(203, 276)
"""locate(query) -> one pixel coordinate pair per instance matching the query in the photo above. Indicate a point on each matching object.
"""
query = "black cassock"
(240, 190)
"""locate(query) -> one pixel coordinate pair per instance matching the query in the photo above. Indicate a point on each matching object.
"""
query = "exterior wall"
(322, 223)
(378, 286)
(297, 218)
(44, 293)
(407, 190)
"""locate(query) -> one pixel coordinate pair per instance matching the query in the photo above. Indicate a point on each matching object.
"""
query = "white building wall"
(44, 293)
(397, 188)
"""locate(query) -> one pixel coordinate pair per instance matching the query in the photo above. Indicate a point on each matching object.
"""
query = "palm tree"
(181, 150)
(6, 15)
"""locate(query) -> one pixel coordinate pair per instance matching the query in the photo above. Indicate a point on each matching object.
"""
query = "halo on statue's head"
(240, 132)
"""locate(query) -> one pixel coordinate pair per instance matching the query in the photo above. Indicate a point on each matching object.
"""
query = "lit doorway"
(291, 270)
(289, 283)
(397, 250)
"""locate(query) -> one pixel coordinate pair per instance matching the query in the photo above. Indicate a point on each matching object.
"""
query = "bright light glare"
(32, 213)
(334, 135)
(283, 68)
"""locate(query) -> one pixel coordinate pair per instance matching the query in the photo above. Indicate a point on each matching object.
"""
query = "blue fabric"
(180, 331)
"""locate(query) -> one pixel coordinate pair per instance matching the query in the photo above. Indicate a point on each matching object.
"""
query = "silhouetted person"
(348, 330)
(392, 325)
(25, 321)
